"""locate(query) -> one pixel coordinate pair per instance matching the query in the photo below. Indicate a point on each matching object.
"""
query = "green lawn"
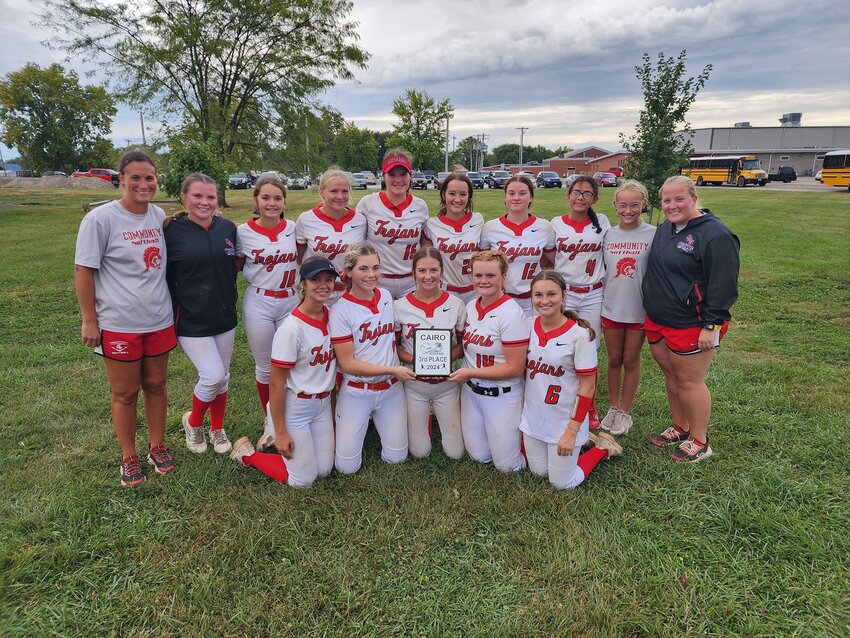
(753, 542)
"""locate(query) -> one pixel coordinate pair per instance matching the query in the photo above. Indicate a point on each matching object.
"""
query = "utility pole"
(142, 120)
(522, 130)
(446, 168)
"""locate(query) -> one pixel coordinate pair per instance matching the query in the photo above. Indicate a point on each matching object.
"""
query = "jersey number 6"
(553, 395)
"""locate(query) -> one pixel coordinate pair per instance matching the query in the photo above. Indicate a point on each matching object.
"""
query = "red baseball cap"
(396, 160)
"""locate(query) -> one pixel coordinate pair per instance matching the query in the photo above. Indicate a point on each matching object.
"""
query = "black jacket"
(201, 273)
(691, 276)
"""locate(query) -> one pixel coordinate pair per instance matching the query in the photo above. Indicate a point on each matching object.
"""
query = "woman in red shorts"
(690, 284)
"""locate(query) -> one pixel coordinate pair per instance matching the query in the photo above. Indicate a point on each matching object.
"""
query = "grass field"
(753, 542)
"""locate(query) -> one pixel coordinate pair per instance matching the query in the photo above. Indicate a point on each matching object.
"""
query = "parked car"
(54, 174)
(272, 175)
(370, 177)
(605, 179)
(570, 179)
(238, 181)
(784, 174)
(498, 179)
(298, 182)
(476, 179)
(438, 180)
(549, 179)
(618, 171)
(818, 176)
(418, 180)
(527, 174)
(429, 175)
(106, 174)
(358, 180)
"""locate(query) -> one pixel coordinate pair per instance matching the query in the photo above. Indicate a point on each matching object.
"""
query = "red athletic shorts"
(132, 346)
(678, 340)
(617, 325)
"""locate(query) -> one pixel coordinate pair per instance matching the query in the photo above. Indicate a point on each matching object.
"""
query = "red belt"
(388, 276)
(460, 289)
(321, 395)
(382, 385)
(277, 294)
(583, 289)
(522, 295)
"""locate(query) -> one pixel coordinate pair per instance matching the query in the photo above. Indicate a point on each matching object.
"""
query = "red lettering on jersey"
(453, 250)
(270, 261)
(512, 252)
(322, 357)
(473, 338)
(410, 328)
(538, 367)
(395, 233)
(147, 233)
(368, 334)
(573, 249)
(331, 250)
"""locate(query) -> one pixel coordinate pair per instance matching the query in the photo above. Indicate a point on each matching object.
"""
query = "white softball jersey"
(370, 326)
(324, 236)
(127, 252)
(446, 312)
(270, 254)
(302, 345)
(457, 241)
(555, 359)
(394, 230)
(625, 253)
(488, 330)
(523, 244)
(578, 250)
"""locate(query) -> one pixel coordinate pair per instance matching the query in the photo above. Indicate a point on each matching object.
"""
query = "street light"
(522, 130)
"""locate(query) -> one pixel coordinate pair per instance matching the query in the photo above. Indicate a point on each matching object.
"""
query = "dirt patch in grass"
(87, 183)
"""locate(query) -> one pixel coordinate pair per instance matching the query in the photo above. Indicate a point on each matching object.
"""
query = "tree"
(191, 156)
(509, 154)
(421, 128)
(356, 149)
(51, 119)
(656, 150)
(231, 73)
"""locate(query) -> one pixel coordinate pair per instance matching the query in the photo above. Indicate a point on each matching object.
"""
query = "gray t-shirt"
(625, 253)
(128, 254)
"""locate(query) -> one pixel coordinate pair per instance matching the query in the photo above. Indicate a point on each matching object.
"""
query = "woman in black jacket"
(690, 284)
(201, 273)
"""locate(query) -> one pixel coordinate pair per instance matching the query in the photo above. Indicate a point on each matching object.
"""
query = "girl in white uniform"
(430, 307)
(329, 229)
(267, 244)
(560, 380)
(526, 240)
(395, 221)
(456, 233)
(578, 257)
(362, 331)
(495, 344)
(302, 377)
(626, 250)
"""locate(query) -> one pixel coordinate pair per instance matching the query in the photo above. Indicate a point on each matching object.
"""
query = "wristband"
(582, 407)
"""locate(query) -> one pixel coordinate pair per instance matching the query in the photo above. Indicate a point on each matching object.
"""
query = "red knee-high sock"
(272, 465)
(199, 409)
(217, 408)
(590, 459)
(263, 393)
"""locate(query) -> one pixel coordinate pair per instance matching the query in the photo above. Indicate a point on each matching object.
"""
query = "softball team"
(430, 307)
(267, 246)
(527, 241)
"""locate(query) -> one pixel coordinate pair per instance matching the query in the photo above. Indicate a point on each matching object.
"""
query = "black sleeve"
(721, 263)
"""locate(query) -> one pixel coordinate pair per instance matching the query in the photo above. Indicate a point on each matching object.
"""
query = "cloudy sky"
(564, 68)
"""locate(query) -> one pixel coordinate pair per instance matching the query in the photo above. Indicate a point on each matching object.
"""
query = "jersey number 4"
(591, 266)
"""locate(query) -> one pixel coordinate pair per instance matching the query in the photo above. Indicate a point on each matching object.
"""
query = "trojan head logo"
(152, 258)
(626, 267)
(119, 347)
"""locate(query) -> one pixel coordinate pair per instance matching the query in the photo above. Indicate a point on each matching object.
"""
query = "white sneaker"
(610, 418)
(195, 440)
(622, 423)
(607, 442)
(221, 443)
(242, 447)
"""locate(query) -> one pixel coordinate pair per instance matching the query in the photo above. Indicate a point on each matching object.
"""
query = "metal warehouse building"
(799, 146)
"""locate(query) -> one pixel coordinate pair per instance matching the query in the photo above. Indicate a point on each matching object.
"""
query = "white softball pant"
(262, 316)
(398, 287)
(490, 427)
(588, 306)
(211, 358)
(388, 410)
(543, 460)
(310, 424)
(445, 398)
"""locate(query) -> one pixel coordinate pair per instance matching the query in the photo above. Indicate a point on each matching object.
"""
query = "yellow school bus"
(836, 169)
(739, 170)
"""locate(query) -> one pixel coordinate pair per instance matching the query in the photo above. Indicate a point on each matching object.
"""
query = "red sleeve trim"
(342, 339)
(521, 342)
(286, 365)
(586, 372)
